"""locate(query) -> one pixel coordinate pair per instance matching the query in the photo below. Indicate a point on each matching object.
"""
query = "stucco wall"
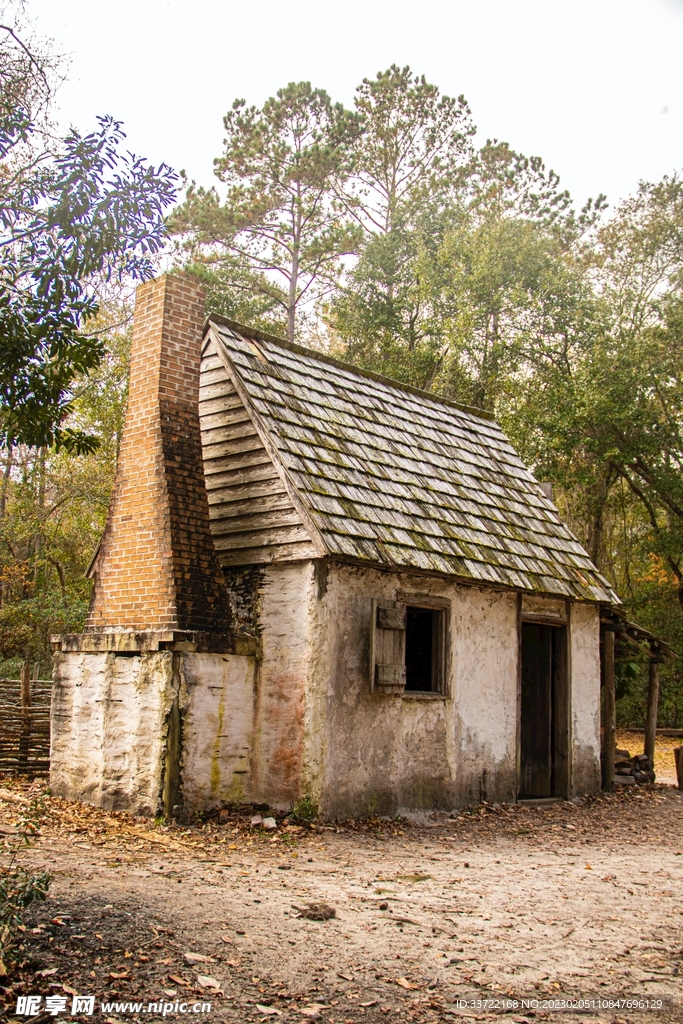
(286, 600)
(110, 724)
(370, 753)
(300, 719)
(585, 670)
(108, 728)
(217, 705)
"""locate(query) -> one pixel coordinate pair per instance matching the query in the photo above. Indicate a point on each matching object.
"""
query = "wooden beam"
(609, 743)
(652, 703)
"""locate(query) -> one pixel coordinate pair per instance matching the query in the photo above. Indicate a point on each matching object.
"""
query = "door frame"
(562, 700)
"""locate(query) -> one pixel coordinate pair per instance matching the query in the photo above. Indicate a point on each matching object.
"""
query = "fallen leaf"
(312, 1010)
(268, 1010)
(346, 977)
(404, 983)
(373, 1002)
(69, 991)
(588, 867)
(226, 938)
(48, 972)
(117, 977)
(206, 981)
(198, 958)
(179, 981)
(170, 991)
(3, 970)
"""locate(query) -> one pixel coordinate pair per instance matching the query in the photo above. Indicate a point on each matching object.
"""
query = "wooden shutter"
(387, 647)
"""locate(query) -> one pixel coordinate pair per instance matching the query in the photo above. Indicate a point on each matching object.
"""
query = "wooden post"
(652, 702)
(25, 734)
(609, 746)
(678, 758)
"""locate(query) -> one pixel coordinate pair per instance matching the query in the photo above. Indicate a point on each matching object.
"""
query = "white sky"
(595, 87)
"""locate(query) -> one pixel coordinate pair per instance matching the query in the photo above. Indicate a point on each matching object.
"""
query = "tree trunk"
(4, 489)
(609, 742)
(596, 525)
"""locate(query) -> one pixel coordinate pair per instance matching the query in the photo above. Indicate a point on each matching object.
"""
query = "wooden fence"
(25, 725)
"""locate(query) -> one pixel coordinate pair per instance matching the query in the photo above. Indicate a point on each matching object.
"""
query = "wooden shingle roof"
(386, 474)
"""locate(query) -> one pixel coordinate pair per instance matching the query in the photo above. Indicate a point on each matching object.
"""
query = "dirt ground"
(436, 920)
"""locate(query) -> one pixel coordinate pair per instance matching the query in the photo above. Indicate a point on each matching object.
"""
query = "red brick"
(157, 565)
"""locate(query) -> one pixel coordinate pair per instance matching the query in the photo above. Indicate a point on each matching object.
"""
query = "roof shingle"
(401, 478)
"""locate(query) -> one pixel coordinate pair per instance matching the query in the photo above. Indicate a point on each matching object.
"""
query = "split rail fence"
(25, 725)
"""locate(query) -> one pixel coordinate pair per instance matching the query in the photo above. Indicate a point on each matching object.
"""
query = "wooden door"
(536, 769)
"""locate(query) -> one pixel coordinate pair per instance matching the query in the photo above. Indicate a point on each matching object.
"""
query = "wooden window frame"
(443, 605)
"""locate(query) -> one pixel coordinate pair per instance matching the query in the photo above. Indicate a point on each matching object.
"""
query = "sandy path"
(567, 900)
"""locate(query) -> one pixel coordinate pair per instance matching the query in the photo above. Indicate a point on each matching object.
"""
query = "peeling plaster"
(109, 715)
(585, 670)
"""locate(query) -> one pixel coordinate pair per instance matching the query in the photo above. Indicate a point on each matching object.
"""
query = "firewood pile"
(632, 771)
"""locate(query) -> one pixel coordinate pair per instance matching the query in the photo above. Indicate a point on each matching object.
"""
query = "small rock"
(269, 823)
(256, 820)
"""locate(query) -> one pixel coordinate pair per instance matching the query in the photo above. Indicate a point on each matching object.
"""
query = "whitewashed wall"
(217, 705)
(286, 608)
(585, 670)
(109, 728)
(370, 753)
(300, 720)
(110, 723)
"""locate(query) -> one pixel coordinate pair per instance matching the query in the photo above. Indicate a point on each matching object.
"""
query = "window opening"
(424, 649)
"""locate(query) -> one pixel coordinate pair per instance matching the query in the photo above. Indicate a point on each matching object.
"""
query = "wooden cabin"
(316, 582)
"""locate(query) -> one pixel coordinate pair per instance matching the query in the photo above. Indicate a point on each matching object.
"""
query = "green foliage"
(305, 809)
(53, 507)
(19, 886)
(409, 152)
(281, 233)
(84, 212)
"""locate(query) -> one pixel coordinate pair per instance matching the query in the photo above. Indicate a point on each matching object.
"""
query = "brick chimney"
(156, 568)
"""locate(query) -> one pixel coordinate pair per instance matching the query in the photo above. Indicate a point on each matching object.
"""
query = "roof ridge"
(258, 335)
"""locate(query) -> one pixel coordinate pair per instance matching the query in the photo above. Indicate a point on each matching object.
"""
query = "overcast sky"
(595, 87)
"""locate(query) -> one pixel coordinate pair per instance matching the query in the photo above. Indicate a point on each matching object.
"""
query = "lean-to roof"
(392, 476)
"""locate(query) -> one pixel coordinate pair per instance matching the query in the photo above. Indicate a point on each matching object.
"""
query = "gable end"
(252, 517)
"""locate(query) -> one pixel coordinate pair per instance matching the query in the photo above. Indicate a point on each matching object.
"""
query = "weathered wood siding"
(253, 518)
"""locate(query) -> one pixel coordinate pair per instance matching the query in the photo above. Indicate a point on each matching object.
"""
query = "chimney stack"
(156, 568)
